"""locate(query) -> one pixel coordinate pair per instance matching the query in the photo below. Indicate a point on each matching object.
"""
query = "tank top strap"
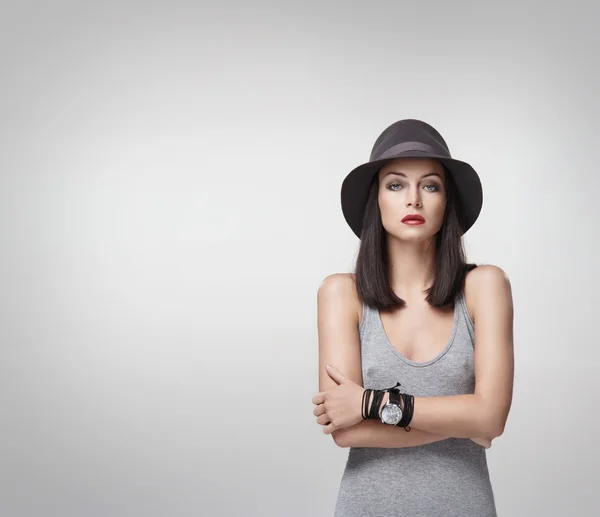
(366, 317)
(464, 315)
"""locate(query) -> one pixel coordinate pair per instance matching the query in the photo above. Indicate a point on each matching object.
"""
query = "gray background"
(170, 178)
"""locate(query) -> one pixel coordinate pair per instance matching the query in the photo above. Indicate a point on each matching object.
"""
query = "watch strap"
(394, 397)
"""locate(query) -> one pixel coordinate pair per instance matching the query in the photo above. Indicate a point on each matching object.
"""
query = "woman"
(414, 313)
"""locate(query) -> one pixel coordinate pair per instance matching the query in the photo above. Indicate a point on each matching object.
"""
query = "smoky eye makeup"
(425, 183)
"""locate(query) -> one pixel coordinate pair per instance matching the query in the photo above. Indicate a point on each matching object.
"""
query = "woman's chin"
(412, 236)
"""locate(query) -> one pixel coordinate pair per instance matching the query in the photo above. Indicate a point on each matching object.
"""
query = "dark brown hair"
(372, 281)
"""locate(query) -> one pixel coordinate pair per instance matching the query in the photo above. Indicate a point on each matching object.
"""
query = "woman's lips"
(413, 219)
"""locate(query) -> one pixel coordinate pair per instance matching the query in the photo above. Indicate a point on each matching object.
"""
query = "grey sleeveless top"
(446, 478)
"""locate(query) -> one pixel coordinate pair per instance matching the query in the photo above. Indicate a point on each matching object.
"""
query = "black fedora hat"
(410, 138)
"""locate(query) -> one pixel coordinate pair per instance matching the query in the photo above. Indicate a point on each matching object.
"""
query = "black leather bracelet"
(365, 403)
(407, 411)
(374, 410)
(372, 403)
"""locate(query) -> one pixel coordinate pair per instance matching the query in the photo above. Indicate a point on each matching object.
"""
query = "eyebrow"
(402, 174)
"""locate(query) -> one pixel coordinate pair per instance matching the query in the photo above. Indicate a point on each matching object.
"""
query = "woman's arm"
(485, 412)
(337, 323)
(339, 344)
(373, 433)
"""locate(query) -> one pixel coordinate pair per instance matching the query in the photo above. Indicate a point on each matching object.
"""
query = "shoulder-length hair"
(450, 269)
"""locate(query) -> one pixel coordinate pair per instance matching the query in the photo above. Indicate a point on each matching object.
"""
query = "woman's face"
(412, 186)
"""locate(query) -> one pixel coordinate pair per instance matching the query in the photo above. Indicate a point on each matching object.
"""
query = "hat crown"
(408, 130)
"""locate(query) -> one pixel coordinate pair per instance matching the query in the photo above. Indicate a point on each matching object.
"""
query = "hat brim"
(355, 188)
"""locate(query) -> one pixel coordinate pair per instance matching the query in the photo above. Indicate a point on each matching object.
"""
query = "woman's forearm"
(453, 416)
(374, 433)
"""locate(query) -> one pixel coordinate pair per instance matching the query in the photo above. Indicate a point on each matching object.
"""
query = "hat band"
(409, 146)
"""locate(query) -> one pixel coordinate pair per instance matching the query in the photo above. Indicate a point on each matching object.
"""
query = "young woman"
(426, 337)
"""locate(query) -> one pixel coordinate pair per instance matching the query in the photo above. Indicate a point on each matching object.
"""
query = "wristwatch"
(391, 412)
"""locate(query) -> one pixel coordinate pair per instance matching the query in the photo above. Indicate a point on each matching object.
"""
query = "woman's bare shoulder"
(343, 287)
(476, 279)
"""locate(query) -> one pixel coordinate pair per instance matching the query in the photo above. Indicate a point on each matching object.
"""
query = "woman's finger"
(323, 420)
(319, 398)
(319, 409)
(329, 428)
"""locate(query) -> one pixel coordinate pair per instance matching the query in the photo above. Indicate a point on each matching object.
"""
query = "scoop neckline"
(434, 359)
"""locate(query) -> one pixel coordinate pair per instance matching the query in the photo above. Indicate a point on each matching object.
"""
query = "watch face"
(391, 414)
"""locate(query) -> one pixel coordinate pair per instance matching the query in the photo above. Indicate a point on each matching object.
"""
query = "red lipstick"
(413, 219)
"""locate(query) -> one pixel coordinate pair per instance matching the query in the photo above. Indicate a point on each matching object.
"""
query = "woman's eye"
(434, 189)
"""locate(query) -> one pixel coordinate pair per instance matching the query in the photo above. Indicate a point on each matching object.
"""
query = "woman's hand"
(340, 406)
(485, 442)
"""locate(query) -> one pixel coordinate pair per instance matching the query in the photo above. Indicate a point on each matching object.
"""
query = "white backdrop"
(170, 178)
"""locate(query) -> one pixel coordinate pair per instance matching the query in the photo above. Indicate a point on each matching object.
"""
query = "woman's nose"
(413, 198)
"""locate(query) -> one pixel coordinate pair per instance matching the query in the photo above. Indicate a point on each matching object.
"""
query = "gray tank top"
(446, 478)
